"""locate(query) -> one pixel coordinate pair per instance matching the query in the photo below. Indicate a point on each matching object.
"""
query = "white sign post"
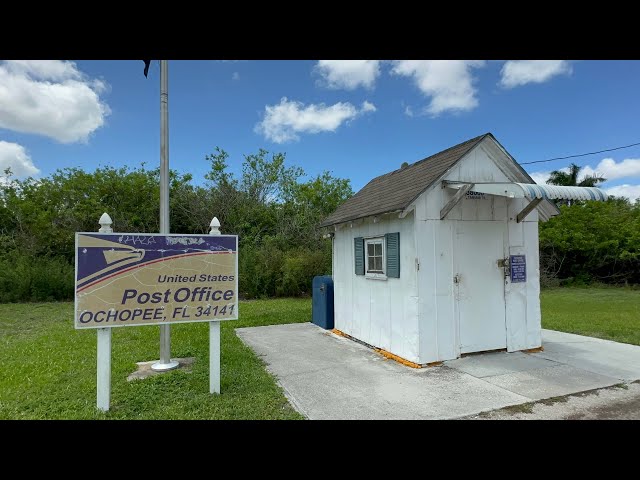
(214, 334)
(104, 344)
(131, 279)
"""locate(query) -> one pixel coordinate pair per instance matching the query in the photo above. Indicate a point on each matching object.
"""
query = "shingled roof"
(396, 190)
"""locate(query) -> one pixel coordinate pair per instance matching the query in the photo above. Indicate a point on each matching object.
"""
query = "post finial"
(105, 223)
(215, 226)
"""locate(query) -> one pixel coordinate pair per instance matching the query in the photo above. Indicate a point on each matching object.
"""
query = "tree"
(570, 179)
(598, 241)
(273, 208)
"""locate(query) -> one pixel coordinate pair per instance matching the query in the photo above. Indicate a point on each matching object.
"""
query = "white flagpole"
(165, 362)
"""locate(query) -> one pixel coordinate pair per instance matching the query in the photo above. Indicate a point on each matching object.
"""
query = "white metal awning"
(534, 192)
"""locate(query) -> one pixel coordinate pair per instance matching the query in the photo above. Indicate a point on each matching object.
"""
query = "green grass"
(48, 369)
(609, 313)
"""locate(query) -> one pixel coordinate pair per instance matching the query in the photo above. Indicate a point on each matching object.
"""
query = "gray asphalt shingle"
(396, 190)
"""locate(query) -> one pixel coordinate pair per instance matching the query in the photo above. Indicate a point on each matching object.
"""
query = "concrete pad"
(371, 389)
(498, 363)
(553, 336)
(552, 381)
(288, 346)
(618, 360)
(330, 377)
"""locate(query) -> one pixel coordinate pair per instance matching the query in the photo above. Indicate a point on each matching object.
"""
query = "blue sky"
(358, 119)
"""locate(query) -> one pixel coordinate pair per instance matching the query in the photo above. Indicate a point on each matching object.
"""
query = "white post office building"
(440, 258)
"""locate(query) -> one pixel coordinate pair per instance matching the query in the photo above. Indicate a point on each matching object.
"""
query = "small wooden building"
(440, 258)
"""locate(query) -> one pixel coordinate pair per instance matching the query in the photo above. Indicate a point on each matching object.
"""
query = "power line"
(581, 155)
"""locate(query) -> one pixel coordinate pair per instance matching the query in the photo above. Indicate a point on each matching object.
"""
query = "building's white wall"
(523, 299)
(382, 313)
(415, 316)
(438, 323)
(477, 166)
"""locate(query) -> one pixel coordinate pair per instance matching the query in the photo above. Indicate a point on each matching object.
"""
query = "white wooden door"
(479, 285)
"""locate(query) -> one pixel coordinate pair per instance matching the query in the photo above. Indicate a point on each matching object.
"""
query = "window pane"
(370, 263)
(378, 249)
(378, 263)
(370, 248)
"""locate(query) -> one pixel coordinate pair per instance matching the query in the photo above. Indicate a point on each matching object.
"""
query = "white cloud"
(51, 98)
(15, 157)
(284, 121)
(448, 83)
(540, 177)
(632, 192)
(235, 76)
(348, 74)
(609, 169)
(520, 72)
(368, 107)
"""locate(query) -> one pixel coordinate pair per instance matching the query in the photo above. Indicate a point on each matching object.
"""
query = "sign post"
(214, 334)
(129, 279)
(104, 344)
(104, 369)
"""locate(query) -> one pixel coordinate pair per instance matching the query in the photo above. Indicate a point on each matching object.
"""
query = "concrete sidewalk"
(330, 377)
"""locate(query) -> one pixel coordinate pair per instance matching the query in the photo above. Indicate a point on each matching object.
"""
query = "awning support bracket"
(456, 198)
(528, 209)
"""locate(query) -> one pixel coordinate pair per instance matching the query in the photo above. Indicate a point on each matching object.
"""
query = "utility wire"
(581, 155)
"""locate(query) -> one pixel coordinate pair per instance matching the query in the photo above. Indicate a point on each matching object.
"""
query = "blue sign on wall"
(518, 268)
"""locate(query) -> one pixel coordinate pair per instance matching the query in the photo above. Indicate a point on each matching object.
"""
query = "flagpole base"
(164, 367)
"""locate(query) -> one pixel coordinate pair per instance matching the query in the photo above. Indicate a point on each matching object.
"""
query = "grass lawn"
(48, 369)
(610, 313)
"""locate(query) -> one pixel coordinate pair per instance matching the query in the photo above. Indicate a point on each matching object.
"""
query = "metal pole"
(165, 362)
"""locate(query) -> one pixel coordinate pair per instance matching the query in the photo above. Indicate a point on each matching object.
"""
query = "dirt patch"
(144, 368)
(617, 402)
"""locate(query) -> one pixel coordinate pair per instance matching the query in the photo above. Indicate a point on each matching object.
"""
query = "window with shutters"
(375, 257)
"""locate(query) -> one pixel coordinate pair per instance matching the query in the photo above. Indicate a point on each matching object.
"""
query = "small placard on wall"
(518, 265)
(475, 196)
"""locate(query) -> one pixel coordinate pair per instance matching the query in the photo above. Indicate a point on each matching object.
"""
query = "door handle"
(456, 278)
(504, 264)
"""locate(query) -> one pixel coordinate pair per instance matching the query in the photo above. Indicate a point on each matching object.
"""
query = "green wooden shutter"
(393, 254)
(358, 248)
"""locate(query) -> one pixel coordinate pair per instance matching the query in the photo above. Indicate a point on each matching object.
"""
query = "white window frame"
(375, 275)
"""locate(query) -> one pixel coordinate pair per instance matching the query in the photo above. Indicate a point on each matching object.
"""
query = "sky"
(355, 118)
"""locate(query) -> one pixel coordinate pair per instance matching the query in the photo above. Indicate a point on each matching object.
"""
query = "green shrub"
(271, 271)
(35, 279)
(274, 209)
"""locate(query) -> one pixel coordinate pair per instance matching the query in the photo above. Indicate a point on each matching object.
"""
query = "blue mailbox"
(322, 302)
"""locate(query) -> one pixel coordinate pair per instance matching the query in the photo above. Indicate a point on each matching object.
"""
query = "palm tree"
(570, 179)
